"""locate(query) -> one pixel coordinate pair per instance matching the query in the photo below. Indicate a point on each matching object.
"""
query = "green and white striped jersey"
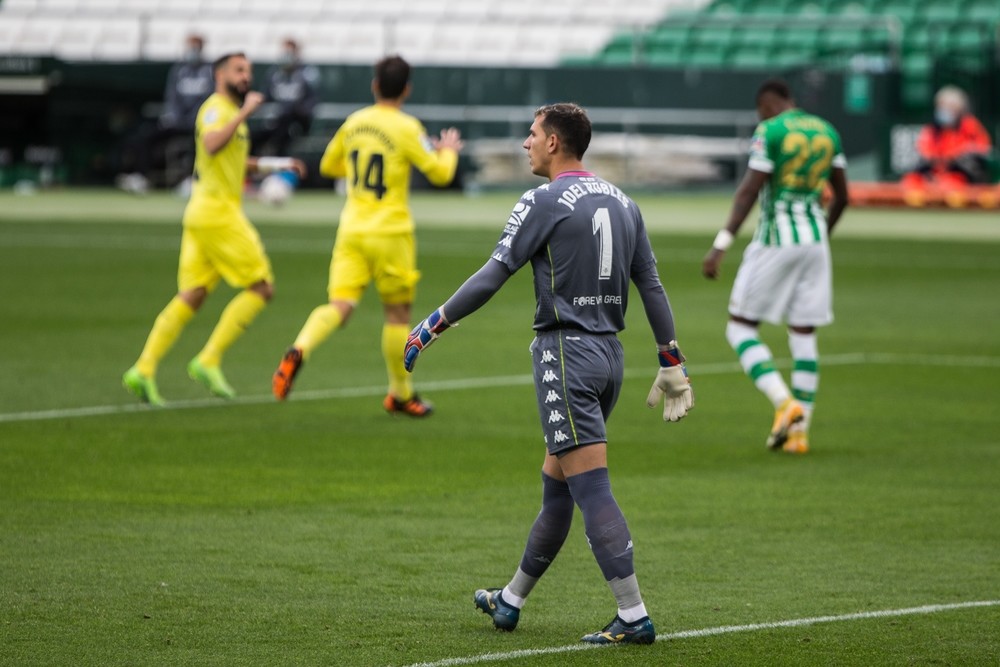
(798, 150)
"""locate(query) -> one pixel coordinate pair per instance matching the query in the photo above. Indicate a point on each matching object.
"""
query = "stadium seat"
(37, 36)
(15, 6)
(751, 57)
(982, 10)
(76, 39)
(118, 40)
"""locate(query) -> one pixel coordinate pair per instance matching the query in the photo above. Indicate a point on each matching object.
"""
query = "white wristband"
(267, 165)
(723, 240)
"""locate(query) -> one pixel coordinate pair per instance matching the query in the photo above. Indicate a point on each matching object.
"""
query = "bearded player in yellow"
(374, 150)
(218, 241)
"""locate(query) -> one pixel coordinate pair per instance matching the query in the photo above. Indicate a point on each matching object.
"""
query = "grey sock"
(607, 530)
(546, 537)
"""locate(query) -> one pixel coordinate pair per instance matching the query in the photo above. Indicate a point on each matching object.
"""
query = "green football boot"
(620, 632)
(212, 378)
(143, 387)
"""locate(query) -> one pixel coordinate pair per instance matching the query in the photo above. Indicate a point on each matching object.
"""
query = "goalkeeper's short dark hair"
(570, 123)
(392, 73)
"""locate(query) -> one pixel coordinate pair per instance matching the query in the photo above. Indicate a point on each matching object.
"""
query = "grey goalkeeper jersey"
(585, 239)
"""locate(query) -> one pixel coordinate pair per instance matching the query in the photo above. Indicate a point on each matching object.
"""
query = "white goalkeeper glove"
(671, 385)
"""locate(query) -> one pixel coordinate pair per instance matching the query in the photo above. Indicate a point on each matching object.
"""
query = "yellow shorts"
(388, 260)
(228, 247)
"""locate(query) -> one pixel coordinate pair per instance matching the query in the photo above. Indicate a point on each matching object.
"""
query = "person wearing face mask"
(189, 83)
(293, 88)
(954, 148)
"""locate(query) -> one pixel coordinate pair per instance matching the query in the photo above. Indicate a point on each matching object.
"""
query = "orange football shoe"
(281, 381)
(414, 407)
(798, 441)
(789, 413)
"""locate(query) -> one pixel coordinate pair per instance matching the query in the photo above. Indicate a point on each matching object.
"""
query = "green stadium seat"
(982, 10)
(707, 58)
(805, 40)
(617, 58)
(842, 40)
(714, 34)
(671, 58)
(769, 8)
(751, 58)
(905, 10)
(669, 34)
(756, 36)
(970, 38)
(787, 58)
(946, 11)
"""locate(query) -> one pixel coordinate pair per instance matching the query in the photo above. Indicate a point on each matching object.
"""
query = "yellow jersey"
(373, 150)
(218, 178)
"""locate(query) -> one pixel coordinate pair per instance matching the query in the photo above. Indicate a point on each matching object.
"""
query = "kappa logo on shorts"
(560, 437)
(548, 357)
(555, 417)
(549, 376)
(552, 397)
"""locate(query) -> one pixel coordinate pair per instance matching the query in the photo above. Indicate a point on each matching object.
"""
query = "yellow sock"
(167, 327)
(235, 319)
(393, 341)
(322, 322)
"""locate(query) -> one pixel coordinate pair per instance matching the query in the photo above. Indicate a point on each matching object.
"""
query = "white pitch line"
(709, 632)
(460, 384)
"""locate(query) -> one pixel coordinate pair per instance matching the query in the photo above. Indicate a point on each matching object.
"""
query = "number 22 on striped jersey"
(810, 157)
(602, 225)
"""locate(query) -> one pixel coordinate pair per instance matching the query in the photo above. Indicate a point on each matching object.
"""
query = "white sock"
(757, 362)
(511, 599)
(632, 614)
(805, 371)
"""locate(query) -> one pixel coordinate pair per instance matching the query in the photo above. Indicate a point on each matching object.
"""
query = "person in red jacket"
(954, 148)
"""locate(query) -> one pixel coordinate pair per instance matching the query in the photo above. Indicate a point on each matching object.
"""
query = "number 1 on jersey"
(374, 174)
(602, 224)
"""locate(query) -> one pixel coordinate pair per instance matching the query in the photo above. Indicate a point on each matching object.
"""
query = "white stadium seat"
(481, 32)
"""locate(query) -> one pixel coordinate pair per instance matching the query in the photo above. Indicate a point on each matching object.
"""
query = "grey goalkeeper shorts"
(578, 377)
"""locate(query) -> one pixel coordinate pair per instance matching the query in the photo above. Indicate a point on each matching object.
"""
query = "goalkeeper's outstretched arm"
(469, 298)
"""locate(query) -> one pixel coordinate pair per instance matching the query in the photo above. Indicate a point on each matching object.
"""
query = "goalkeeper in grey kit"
(585, 240)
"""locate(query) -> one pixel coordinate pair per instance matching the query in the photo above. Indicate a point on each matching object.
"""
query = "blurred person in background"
(218, 242)
(189, 83)
(293, 88)
(954, 148)
(375, 150)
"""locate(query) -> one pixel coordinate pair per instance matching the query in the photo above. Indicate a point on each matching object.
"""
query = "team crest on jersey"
(517, 217)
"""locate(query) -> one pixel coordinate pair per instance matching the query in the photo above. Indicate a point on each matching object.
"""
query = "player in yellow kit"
(374, 150)
(218, 241)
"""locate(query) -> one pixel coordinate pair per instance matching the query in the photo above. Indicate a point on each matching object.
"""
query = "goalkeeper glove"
(422, 336)
(672, 385)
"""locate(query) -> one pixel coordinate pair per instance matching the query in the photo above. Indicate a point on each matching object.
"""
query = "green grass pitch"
(323, 532)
